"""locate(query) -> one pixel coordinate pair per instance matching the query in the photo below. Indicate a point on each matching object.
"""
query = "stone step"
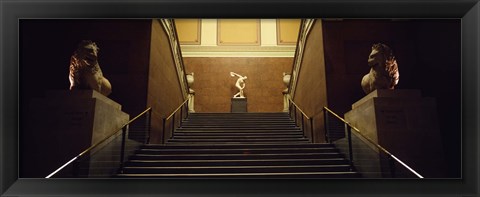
(239, 137)
(233, 126)
(206, 133)
(286, 175)
(236, 143)
(239, 140)
(237, 162)
(223, 114)
(230, 124)
(235, 156)
(236, 146)
(167, 150)
(237, 129)
(238, 117)
(235, 169)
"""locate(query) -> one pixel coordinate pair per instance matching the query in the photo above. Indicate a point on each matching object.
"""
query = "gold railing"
(172, 115)
(304, 115)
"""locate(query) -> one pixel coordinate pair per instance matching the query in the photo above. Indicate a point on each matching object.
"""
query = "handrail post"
(290, 109)
(303, 126)
(188, 109)
(164, 121)
(392, 166)
(148, 126)
(325, 119)
(311, 130)
(122, 150)
(76, 169)
(181, 115)
(295, 114)
(350, 149)
(173, 126)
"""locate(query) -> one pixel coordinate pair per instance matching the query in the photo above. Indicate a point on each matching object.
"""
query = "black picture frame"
(12, 11)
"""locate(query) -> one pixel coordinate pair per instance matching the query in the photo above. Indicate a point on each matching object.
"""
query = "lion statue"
(85, 73)
(383, 69)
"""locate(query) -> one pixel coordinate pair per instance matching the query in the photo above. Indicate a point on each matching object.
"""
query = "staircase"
(238, 145)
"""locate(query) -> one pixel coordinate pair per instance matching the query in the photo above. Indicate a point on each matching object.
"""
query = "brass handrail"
(372, 142)
(175, 111)
(164, 121)
(312, 138)
(301, 111)
(98, 143)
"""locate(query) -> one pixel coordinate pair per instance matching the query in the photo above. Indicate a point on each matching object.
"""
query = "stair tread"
(239, 154)
(237, 167)
(231, 143)
(251, 139)
(257, 145)
(250, 145)
(232, 157)
(254, 128)
(240, 135)
(241, 174)
(236, 130)
(231, 160)
(236, 134)
(242, 149)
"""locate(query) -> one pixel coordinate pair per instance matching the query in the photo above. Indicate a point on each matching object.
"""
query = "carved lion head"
(380, 54)
(88, 51)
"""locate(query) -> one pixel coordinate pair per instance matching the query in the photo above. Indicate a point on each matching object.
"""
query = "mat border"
(12, 11)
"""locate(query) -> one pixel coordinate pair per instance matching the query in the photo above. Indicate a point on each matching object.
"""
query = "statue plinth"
(239, 105)
(64, 123)
(405, 124)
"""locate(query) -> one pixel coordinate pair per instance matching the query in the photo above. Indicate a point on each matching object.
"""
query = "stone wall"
(62, 125)
(311, 91)
(164, 90)
(214, 87)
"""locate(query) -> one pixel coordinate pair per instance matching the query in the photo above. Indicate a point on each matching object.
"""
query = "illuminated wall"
(214, 87)
(261, 49)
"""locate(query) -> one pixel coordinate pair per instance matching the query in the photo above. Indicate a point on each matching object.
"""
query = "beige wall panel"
(238, 32)
(287, 31)
(188, 31)
(214, 87)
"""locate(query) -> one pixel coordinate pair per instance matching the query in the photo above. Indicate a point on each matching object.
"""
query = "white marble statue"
(191, 93)
(240, 84)
(286, 81)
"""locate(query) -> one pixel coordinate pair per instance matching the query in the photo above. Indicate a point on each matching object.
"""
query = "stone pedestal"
(64, 123)
(191, 102)
(239, 105)
(88, 112)
(191, 93)
(286, 101)
(405, 124)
